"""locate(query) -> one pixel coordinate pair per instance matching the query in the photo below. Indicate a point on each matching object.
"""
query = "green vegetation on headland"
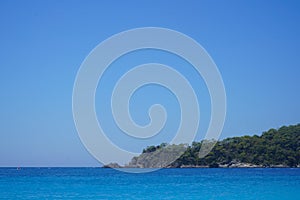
(274, 148)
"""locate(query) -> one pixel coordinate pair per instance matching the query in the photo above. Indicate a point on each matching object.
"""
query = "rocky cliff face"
(112, 165)
(160, 158)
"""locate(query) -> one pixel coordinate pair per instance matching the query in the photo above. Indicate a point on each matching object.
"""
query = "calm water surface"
(98, 183)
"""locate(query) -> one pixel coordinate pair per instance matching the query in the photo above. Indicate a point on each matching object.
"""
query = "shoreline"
(237, 165)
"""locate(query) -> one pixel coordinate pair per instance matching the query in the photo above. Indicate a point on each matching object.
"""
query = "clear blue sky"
(255, 44)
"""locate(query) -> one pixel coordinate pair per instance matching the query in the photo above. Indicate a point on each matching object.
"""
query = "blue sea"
(100, 183)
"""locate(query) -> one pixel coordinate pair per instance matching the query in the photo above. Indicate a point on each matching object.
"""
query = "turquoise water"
(98, 183)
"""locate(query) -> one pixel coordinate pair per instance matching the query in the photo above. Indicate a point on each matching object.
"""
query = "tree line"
(279, 147)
